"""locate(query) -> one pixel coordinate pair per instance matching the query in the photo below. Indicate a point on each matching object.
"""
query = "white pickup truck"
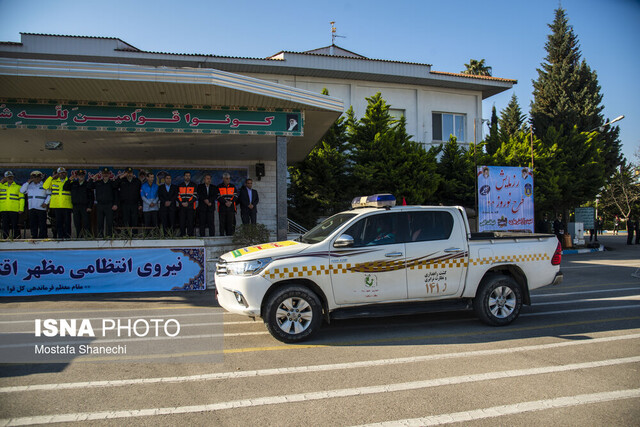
(373, 261)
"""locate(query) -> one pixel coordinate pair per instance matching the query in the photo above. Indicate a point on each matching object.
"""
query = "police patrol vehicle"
(381, 259)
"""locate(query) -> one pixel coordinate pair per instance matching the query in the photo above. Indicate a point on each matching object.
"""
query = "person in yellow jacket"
(60, 203)
(11, 206)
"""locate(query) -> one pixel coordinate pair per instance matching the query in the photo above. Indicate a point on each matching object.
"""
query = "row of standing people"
(159, 204)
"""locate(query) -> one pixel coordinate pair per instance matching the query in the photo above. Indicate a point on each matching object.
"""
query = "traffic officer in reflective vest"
(37, 199)
(60, 204)
(11, 206)
(227, 198)
(187, 197)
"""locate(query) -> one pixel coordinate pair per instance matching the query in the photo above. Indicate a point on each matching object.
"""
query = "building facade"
(110, 73)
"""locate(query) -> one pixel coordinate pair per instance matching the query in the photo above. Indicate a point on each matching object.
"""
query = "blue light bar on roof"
(375, 201)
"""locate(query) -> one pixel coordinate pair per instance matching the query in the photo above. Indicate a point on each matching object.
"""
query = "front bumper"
(251, 290)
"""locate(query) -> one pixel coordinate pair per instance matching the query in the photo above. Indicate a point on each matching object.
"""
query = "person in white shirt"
(38, 200)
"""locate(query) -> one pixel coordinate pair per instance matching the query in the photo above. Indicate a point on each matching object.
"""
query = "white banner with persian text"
(505, 199)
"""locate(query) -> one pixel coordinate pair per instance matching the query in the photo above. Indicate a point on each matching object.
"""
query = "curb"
(582, 251)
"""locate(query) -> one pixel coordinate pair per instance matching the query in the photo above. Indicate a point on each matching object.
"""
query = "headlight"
(247, 268)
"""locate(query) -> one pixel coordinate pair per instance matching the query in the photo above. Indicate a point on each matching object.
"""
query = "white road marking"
(312, 368)
(580, 310)
(311, 396)
(575, 301)
(534, 296)
(517, 408)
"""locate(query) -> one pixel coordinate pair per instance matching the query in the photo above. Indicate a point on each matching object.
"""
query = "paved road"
(572, 358)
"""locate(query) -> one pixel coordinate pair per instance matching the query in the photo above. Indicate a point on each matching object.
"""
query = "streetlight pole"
(601, 128)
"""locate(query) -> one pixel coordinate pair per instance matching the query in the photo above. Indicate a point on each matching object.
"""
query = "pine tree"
(386, 160)
(567, 92)
(457, 169)
(493, 139)
(511, 119)
(318, 183)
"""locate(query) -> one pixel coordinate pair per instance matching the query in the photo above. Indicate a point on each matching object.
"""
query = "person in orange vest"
(187, 197)
(227, 199)
(60, 202)
(11, 206)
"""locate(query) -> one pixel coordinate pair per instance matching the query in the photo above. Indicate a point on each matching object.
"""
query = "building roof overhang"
(105, 82)
(314, 63)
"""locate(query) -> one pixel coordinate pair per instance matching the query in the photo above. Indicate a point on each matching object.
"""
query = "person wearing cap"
(227, 199)
(37, 200)
(82, 200)
(60, 204)
(11, 206)
(187, 197)
(106, 201)
(129, 196)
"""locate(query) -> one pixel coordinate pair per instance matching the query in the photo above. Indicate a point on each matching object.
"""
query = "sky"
(509, 34)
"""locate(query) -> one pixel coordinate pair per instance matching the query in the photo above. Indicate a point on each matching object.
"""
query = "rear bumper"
(558, 279)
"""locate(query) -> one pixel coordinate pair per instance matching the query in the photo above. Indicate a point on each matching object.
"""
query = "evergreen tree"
(476, 68)
(386, 160)
(458, 171)
(317, 184)
(511, 119)
(493, 139)
(567, 92)
(573, 165)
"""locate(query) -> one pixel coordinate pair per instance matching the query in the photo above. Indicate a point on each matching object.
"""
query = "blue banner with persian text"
(505, 199)
(48, 272)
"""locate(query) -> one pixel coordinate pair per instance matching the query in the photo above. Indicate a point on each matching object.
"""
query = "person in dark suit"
(249, 200)
(107, 201)
(129, 197)
(168, 196)
(207, 196)
(227, 199)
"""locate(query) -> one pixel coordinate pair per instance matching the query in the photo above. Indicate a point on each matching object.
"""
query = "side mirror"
(343, 241)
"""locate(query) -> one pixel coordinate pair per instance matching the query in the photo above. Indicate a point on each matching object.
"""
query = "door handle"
(453, 250)
(393, 254)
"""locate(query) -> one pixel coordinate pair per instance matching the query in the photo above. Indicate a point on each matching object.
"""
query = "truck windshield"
(326, 227)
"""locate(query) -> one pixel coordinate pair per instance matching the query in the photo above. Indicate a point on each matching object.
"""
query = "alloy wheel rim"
(502, 302)
(294, 315)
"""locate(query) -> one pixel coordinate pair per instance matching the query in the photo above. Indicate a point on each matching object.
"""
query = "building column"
(281, 187)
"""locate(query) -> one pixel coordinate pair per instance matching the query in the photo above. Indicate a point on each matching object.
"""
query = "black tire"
(498, 301)
(293, 314)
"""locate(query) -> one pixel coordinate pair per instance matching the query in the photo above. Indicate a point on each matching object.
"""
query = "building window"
(396, 113)
(445, 124)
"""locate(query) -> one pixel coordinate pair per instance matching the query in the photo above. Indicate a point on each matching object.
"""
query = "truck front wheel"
(293, 314)
(498, 301)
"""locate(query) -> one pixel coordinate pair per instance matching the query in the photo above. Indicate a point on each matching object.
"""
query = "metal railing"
(294, 227)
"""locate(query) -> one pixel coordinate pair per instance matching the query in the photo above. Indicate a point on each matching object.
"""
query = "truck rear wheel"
(498, 301)
(293, 314)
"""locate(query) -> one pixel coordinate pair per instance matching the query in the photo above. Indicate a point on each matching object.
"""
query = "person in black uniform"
(82, 200)
(187, 197)
(631, 227)
(168, 196)
(130, 200)
(107, 202)
(227, 198)
(248, 200)
(207, 196)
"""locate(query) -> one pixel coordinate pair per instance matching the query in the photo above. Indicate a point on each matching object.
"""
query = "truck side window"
(430, 225)
(376, 230)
